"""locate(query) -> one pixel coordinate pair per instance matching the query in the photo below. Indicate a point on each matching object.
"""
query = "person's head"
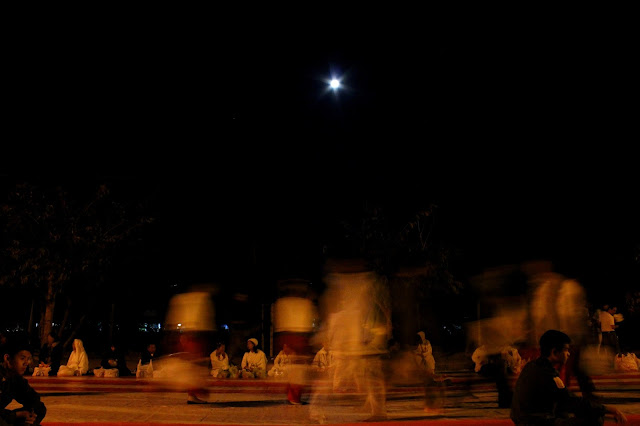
(220, 347)
(252, 344)
(151, 348)
(421, 338)
(77, 345)
(16, 356)
(554, 345)
(613, 310)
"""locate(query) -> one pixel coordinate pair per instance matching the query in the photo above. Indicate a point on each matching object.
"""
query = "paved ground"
(467, 401)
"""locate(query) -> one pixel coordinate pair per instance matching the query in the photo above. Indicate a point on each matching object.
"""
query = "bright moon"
(334, 84)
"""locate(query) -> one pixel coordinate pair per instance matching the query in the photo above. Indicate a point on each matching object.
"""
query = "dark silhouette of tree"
(61, 244)
(406, 248)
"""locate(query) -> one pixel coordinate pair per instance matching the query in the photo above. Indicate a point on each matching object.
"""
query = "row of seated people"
(254, 362)
(51, 359)
(253, 365)
(113, 361)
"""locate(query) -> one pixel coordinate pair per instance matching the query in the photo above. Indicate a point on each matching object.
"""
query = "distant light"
(225, 326)
(179, 325)
(334, 83)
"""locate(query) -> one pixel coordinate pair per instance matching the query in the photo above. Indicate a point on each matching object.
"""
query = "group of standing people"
(606, 325)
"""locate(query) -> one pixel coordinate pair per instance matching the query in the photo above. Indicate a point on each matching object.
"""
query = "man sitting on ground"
(16, 356)
(541, 398)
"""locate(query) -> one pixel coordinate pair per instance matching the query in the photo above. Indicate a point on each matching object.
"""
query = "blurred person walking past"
(426, 364)
(357, 331)
(190, 326)
(293, 322)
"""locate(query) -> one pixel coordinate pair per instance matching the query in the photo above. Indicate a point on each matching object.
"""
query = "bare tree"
(54, 240)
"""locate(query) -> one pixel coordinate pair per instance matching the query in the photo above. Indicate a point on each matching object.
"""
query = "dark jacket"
(146, 356)
(13, 386)
(119, 357)
(540, 397)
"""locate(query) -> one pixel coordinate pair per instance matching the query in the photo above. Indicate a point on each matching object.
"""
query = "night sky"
(525, 143)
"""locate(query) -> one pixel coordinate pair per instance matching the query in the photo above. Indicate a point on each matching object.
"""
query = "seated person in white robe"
(78, 363)
(282, 361)
(219, 362)
(323, 360)
(254, 362)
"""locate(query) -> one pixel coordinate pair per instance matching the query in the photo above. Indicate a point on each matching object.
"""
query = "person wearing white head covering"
(254, 361)
(424, 354)
(78, 363)
(426, 363)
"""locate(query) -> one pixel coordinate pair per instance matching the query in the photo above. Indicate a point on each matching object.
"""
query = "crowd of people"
(355, 351)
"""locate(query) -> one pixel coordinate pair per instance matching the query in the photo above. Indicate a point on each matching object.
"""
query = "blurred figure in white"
(426, 365)
(512, 358)
(490, 363)
(323, 359)
(294, 316)
(560, 303)
(480, 357)
(358, 328)
(190, 324)
(78, 363)
(282, 362)
(424, 354)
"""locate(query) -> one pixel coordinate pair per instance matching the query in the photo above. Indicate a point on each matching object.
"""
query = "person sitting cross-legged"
(254, 362)
(78, 363)
(220, 367)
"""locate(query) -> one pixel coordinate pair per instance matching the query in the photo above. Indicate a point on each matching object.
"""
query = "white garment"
(480, 357)
(41, 371)
(78, 361)
(218, 363)
(607, 322)
(424, 357)
(280, 364)
(323, 359)
(512, 358)
(253, 360)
